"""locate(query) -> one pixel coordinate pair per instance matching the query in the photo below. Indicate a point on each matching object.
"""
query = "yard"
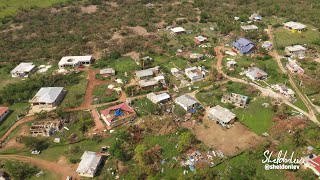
(230, 141)
(285, 38)
(144, 106)
(10, 7)
(248, 116)
(76, 92)
(104, 95)
(121, 66)
(15, 110)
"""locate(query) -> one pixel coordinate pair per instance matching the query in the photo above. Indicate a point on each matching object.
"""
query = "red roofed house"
(117, 115)
(312, 162)
(4, 111)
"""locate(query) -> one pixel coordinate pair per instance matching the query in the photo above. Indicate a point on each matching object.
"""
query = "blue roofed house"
(244, 46)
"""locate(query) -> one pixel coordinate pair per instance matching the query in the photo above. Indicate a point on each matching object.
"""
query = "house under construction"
(45, 128)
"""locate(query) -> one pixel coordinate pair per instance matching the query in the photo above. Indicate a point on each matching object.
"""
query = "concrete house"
(255, 74)
(296, 50)
(188, 103)
(150, 77)
(283, 89)
(89, 164)
(74, 61)
(200, 39)
(243, 46)
(293, 67)
(248, 28)
(237, 100)
(231, 64)
(267, 45)
(118, 114)
(158, 98)
(107, 72)
(4, 111)
(23, 70)
(295, 26)
(178, 30)
(48, 97)
(196, 56)
(222, 115)
(255, 17)
(194, 73)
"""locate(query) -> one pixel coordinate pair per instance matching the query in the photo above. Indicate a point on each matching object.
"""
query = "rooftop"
(178, 29)
(186, 100)
(47, 95)
(249, 27)
(223, 114)
(256, 72)
(144, 73)
(315, 163)
(295, 25)
(89, 163)
(74, 59)
(3, 110)
(23, 67)
(243, 45)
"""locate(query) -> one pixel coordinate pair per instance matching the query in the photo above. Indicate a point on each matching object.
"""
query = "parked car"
(69, 178)
(35, 152)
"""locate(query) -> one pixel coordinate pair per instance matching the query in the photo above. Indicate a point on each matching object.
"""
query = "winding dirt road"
(59, 168)
(18, 123)
(264, 91)
(277, 57)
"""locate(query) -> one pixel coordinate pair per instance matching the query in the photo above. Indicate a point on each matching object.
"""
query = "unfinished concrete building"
(45, 128)
(237, 100)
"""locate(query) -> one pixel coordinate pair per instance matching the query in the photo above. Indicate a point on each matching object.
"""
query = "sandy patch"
(133, 54)
(138, 30)
(89, 9)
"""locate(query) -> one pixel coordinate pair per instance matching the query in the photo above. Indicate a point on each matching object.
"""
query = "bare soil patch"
(89, 9)
(133, 54)
(230, 141)
(138, 30)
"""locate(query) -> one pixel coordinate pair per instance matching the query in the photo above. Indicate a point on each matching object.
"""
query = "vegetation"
(20, 170)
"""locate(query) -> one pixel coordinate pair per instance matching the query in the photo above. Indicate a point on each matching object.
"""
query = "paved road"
(264, 91)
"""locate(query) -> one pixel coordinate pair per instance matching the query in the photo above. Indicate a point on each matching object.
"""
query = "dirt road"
(277, 57)
(18, 123)
(60, 168)
(264, 91)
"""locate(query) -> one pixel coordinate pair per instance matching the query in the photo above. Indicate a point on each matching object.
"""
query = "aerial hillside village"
(99, 89)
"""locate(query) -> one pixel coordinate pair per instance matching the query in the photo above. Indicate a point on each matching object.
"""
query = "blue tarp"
(118, 113)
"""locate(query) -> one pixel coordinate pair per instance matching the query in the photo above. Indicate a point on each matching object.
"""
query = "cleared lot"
(230, 141)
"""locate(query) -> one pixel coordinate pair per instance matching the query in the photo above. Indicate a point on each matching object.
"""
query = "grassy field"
(10, 7)
(104, 95)
(76, 93)
(248, 116)
(144, 106)
(12, 118)
(285, 38)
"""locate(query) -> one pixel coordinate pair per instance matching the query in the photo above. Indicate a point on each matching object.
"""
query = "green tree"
(19, 170)
(186, 139)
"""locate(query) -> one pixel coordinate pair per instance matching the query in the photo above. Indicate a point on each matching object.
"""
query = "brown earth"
(61, 168)
(230, 141)
(22, 121)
